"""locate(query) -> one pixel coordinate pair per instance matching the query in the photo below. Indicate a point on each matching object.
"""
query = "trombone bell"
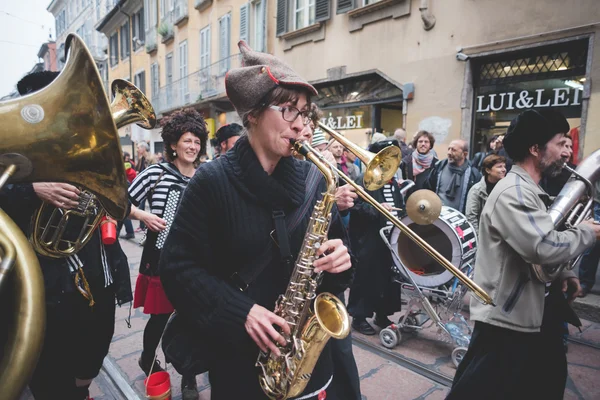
(381, 167)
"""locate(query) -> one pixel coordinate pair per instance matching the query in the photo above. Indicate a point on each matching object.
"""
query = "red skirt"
(149, 293)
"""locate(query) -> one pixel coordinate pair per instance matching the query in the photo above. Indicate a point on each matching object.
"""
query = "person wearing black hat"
(79, 320)
(227, 135)
(221, 235)
(516, 350)
(372, 291)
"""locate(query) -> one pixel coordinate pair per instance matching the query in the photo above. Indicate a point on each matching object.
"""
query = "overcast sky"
(24, 26)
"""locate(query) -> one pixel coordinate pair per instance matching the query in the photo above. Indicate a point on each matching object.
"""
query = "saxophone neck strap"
(283, 225)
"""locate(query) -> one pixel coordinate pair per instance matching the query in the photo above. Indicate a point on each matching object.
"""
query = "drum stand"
(450, 322)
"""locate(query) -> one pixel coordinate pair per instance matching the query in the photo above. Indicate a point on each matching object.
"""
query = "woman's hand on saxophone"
(259, 325)
(336, 260)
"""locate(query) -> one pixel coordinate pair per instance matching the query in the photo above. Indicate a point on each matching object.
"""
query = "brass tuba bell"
(59, 233)
(66, 132)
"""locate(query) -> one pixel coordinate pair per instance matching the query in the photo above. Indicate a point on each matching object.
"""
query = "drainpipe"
(130, 68)
(426, 15)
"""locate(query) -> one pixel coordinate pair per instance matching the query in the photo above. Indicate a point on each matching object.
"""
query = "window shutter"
(244, 22)
(345, 6)
(322, 10)
(282, 25)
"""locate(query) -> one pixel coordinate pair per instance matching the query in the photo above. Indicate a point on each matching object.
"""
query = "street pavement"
(381, 377)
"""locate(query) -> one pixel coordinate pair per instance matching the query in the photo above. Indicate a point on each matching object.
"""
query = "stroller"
(435, 296)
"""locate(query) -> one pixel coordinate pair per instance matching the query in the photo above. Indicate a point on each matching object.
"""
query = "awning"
(362, 88)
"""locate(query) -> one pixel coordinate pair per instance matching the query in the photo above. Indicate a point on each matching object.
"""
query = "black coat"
(222, 226)
(372, 289)
(20, 202)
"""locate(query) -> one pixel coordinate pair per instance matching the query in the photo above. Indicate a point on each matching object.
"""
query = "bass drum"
(451, 235)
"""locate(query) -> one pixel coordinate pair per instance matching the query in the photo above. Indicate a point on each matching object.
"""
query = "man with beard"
(516, 349)
(416, 165)
(453, 177)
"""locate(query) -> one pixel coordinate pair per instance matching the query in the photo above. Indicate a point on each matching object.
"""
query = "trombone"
(380, 168)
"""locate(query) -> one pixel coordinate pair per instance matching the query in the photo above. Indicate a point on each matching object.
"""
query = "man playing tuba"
(80, 289)
(516, 347)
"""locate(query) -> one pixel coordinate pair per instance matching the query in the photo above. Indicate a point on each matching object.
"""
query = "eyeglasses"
(290, 114)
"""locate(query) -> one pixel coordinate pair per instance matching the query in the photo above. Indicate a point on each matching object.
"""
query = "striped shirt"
(75, 263)
(388, 195)
(144, 183)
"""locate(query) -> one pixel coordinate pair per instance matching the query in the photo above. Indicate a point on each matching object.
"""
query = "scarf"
(453, 188)
(283, 189)
(421, 162)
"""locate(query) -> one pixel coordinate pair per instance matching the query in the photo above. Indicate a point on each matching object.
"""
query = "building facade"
(459, 69)
(47, 55)
(80, 17)
(181, 51)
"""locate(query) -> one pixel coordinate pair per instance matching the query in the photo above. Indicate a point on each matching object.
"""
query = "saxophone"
(285, 376)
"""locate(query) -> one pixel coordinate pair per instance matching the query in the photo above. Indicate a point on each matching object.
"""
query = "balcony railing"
(151, 40)
(180, 11)
(197, 86)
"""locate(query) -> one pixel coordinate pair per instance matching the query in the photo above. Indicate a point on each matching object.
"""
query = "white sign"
(343, 122)
(562, 97)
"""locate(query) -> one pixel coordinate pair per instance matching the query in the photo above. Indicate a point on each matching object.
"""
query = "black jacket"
(20, 202)
(434, 175)
(372, 289)
(223, 224)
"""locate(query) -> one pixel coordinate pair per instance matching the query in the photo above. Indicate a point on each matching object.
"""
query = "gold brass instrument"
(381, 167)
(62, 232)
(371, 170)
(573, 205)
(285, 376)
(63, 133)
(19, 270)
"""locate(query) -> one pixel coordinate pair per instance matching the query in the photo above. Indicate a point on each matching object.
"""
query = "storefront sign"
(344, 122)
(558, 97)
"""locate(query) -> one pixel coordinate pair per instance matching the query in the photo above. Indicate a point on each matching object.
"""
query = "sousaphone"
(63, 133)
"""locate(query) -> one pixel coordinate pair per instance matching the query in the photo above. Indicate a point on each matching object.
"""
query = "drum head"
(424, 270)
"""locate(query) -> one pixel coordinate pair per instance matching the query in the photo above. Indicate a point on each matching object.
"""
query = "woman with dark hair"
(184, 134)
(493, 168)
(221, 267)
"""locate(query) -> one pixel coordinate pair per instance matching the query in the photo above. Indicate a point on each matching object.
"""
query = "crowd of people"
(238, 222)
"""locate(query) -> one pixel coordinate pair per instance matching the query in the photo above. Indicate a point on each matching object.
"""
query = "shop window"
(508, 84)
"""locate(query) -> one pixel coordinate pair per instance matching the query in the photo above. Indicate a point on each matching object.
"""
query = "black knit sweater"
(223, 223)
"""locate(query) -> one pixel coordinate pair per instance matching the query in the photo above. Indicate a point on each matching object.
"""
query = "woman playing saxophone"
(224, 263)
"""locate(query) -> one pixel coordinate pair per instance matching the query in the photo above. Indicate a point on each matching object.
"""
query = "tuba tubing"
(569, 209)
(476, 289)
(28, 320)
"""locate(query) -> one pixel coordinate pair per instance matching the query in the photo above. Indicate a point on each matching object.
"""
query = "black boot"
(361, 325)
(382, 321)
(189, 389)
(145, 364)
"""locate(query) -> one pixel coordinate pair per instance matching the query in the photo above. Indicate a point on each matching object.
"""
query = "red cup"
(158, 386)
(108, 229)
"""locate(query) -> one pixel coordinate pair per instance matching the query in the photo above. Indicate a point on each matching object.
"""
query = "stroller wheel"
(410, 321)
(389, 338)
(458, 354)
